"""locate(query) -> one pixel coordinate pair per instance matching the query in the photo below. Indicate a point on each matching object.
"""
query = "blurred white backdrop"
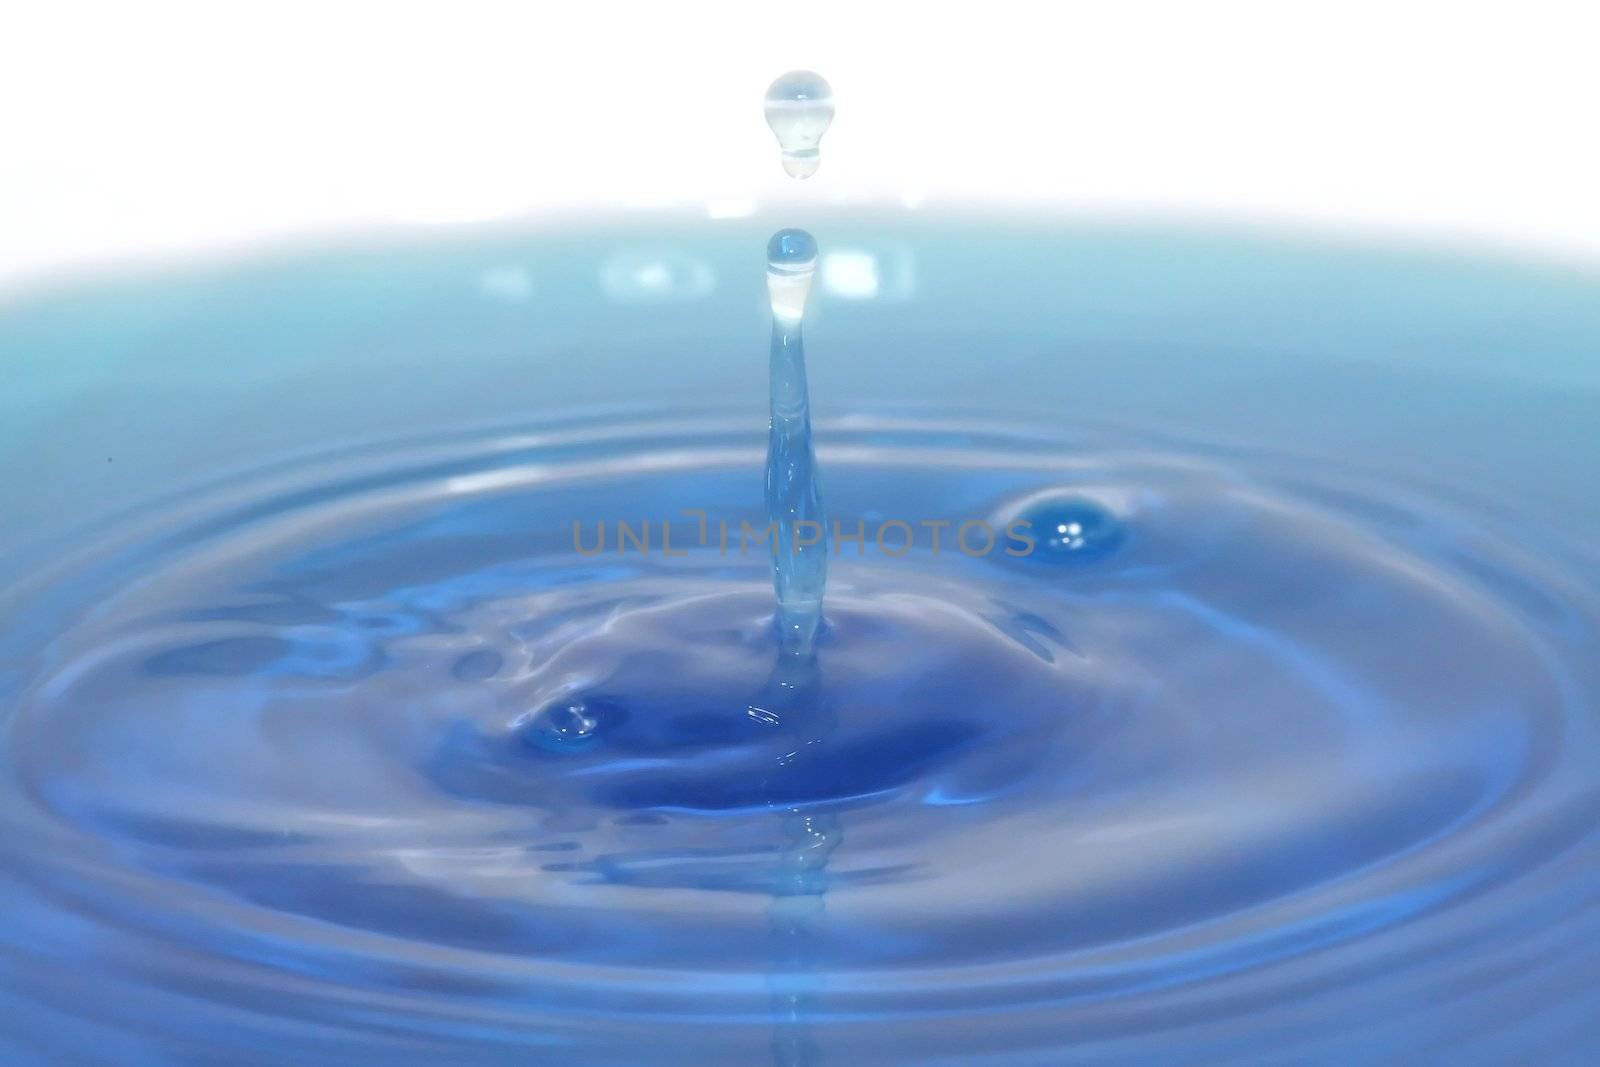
(152, 128)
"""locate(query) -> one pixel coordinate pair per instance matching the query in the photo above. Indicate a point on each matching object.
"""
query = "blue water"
(323, 742)
(793, 488)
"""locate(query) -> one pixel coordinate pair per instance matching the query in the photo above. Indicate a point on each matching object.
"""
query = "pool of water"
(332, 734)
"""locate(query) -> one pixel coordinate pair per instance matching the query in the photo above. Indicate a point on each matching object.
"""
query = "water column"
(793, 494)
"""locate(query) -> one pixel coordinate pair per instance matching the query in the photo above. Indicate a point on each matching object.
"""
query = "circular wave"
(382, 752)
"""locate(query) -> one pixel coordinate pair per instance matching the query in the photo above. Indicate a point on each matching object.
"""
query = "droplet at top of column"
(791, 263)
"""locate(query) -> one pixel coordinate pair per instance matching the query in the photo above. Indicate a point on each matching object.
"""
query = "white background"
(140, 129)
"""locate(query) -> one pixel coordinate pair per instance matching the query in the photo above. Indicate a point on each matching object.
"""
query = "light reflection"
(852, 275)
(512, 284)
(859, 274)
(632, 277)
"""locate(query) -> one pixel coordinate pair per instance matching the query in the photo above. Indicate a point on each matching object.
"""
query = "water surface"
(323, 743)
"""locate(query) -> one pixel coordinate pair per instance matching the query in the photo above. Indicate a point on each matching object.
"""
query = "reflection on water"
(864, 274)
(646, 276)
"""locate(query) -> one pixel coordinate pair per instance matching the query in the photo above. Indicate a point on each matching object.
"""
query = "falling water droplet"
(799, 107)
(1072, 529)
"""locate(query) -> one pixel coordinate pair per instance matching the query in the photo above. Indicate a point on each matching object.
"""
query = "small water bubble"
(563, 726)
(799, 107)
(570, 722)
(1072, 529)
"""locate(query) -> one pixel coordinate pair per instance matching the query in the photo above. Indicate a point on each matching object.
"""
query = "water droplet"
(799, 107)
(1071, 529)
(791, 264)
(792, 252)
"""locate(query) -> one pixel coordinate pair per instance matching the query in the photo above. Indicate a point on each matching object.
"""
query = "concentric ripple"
(369, 757)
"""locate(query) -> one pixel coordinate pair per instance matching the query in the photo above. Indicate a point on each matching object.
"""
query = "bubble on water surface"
(1068, 528)
(562, 726)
